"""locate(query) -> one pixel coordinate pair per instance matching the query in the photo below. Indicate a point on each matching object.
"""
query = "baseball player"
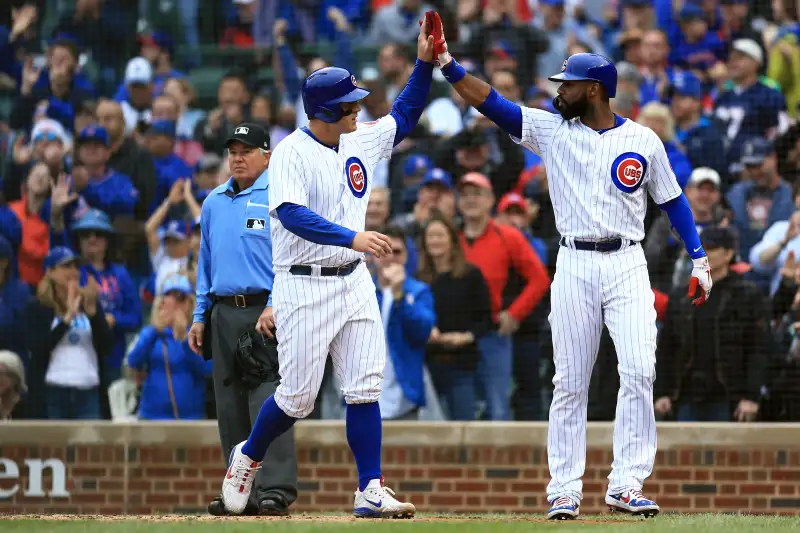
(599, 167)
(324, 297)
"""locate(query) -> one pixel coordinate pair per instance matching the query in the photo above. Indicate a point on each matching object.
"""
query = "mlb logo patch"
(256, 223)
(242, 130)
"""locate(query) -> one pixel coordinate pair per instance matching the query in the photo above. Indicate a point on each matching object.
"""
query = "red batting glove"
(433, 23)
(701, 277)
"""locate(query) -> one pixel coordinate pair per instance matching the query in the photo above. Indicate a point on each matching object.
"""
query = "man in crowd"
(748, 107)
(711, 360)
(762, 199)
(496, 250)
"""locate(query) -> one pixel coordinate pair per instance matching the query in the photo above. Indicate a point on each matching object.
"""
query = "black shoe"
(273, 507)
(217, 508)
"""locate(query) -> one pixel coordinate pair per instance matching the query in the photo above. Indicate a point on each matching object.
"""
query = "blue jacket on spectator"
(14, 296)
(704, 146)
(187, 370)
(680, 163)
(410, 323)
(114, 194)
(169, 169)
(782, 209)
(80, 81)
(11, 228)
(120, 298)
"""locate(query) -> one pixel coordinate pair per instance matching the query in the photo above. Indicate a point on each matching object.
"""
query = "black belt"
(611, 245)
(242, 300)
(307, 270)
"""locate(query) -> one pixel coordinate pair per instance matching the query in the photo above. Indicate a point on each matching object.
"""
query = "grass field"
(705, 523)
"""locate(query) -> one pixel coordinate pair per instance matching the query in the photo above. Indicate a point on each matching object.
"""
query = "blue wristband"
(453, 72)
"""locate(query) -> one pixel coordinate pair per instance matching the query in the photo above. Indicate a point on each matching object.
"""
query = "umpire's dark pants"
(238, 406)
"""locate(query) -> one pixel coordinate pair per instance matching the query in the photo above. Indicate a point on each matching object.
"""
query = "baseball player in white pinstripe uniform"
(600, 168)
(324, 297)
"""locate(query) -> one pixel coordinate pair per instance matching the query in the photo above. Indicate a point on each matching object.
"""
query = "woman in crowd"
(183, 93)
(174, 387)
(123, 311)
(35, 239)
(463, 314)
(658, 118)
(69, 341)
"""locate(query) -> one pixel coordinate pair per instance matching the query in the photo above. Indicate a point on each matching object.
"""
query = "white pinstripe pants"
(590, 288)
(316, 316)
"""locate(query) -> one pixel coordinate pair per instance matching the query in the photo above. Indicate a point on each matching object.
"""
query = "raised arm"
(532, 128)
(475, 92)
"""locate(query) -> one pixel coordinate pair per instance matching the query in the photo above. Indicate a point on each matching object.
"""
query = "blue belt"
(611, 245)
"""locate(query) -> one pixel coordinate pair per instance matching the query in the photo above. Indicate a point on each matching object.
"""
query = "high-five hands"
(701, 276)
(433, 26)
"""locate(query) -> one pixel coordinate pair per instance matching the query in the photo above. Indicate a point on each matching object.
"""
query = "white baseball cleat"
(238, 480)
(563, 508)
(632, 501)
(378, 501)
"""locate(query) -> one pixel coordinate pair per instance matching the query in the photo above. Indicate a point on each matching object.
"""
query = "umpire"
(233, 320)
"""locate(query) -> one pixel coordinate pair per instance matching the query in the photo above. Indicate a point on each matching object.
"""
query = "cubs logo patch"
(628, 171)
(356, 174)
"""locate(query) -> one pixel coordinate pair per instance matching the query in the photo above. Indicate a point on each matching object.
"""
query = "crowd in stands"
(113, 118)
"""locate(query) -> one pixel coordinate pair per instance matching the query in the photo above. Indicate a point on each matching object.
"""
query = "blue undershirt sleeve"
(410, 103)
(308, 225)
(681, 218)
(503, 112)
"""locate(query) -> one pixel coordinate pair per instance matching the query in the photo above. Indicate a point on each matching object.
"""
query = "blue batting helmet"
(585, 66)
(325, 89)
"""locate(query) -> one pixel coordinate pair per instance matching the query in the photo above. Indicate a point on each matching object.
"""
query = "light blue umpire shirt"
(235, 244)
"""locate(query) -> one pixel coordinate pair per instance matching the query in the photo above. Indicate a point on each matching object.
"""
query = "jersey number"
(733, 117)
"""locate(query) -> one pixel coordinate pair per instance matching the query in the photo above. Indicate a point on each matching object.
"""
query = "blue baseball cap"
(417, 164)
(94, 220)
(174, 229)
(163, 127)
(60, 255)
(687, 84)
(94, 133)
(437, 176)
(690, 12)
(756, 150)
(177, 283)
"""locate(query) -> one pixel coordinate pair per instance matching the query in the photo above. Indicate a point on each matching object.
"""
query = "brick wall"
(148, 468)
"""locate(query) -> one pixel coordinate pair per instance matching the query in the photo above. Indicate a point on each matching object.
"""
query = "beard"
(570, 111)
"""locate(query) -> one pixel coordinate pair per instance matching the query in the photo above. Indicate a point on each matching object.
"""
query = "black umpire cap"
(250, 134)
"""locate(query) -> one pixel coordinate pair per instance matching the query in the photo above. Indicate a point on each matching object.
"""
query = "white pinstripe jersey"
(335, 184)
(598, 181)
